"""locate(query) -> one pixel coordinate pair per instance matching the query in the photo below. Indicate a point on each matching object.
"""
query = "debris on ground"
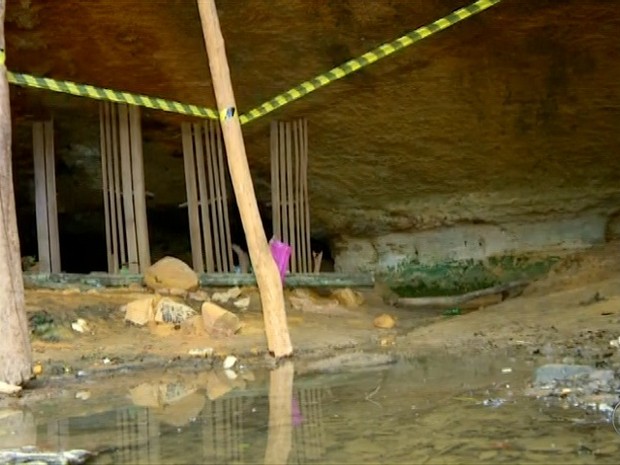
(384, 321)
(9, 389)
(205, 352)
(577, 385)
(198, 296)
(80, 326)
(348, 297)
(226, 296)
(307, 301)
(229, 362)
(243, 303)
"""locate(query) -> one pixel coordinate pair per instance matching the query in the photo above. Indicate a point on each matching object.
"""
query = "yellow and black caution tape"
(99, 93)
(367, 58)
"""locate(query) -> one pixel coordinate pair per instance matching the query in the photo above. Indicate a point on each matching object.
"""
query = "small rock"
(348, 297)
(218, 321)
(205, 352)
(71, 291)
(198, 296)
(230, 374)
(242, 303)
(229, 362)
(9, 389)
(37, 369)
(82, 395)
(224, 297)
(142, 311)
(169, 311)
(384, 321)
(171, 273)
(80, 326)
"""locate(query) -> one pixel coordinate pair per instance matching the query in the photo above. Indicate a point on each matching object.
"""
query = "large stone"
(141, 311)
(169, 311)
(218, 321)
(171, 273)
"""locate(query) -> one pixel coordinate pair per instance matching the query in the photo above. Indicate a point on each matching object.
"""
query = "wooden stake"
(120, 230)
(211, 148)
(224, 187)
(127, 182)
(107, 123)
(275, 180)
(203, 197)
(298, 210)
(103, 149)
(289, 196)
(139, 194)
(218, 199)
(267, 275)
(305, 180)
(43, 235)
(280, 433)
(192, 200)
(282, 169)
(15, 349)
(50, 183)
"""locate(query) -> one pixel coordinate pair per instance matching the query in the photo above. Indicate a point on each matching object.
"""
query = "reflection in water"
(421, 413)
(151, 434)
(138, 436)
(280, 414)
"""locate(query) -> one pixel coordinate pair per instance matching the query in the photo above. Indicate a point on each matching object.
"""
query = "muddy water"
(420, 410)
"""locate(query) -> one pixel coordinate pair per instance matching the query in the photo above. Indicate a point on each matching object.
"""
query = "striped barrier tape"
(99, 93)
(366, 59)
(385, 50)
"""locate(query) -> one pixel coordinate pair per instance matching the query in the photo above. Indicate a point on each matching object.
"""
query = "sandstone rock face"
(470, 241)
(171, 273)
(497, 120)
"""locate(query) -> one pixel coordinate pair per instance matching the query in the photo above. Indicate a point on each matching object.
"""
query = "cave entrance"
(216, 241)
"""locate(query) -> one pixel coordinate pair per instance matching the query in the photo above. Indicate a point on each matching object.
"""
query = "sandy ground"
(574, 310)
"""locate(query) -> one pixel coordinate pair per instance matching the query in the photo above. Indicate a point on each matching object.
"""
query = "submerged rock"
(558, 372)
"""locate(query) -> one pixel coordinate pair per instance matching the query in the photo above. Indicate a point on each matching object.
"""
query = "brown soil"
(576, 306)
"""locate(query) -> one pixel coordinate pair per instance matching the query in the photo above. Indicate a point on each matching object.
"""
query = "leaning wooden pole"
(15, 349)
(267, 275)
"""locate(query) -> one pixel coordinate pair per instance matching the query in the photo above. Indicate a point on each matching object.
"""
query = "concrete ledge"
(60, 280)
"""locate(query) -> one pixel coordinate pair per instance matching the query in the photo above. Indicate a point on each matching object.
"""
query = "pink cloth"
(281, 253)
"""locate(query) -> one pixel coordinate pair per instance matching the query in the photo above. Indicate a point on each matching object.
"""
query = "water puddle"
(424, 410)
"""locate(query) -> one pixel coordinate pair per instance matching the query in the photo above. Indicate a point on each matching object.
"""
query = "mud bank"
(574, 311)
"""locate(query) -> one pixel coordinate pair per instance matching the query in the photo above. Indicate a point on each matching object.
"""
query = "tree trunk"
(267, 275)
(15, 350)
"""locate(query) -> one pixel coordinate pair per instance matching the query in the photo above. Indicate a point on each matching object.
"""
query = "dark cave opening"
(83, 242)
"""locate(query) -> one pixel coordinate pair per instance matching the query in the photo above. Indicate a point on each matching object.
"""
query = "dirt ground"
(574, 310)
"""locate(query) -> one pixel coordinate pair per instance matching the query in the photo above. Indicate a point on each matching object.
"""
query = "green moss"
(413, 279)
